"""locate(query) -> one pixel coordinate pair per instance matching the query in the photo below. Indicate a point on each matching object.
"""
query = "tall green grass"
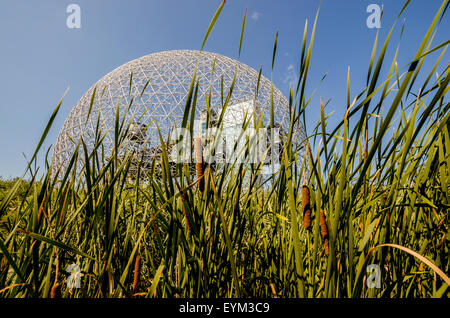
(381, 178)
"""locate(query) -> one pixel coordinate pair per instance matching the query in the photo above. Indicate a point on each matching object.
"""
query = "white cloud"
(290, 76)
(255, 16)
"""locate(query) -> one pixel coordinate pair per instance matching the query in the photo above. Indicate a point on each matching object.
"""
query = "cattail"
(324, 231)
(306, 208)
(56, 288)
(56, 291)
(137, 268)
(199, 163)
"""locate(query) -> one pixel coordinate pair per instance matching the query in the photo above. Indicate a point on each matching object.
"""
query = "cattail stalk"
(306, 207)
(324, 231)
(56, 288)
(199, 162)
(56, 291)
(137, 268)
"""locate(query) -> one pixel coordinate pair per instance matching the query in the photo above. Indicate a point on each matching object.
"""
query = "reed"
(324, 231)
(306, 207)
(137, 269)
(56, 291)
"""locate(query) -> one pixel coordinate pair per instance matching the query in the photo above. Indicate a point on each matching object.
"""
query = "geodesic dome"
(158, 85)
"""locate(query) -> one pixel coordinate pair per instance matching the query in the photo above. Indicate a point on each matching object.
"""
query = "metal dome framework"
(154, 89)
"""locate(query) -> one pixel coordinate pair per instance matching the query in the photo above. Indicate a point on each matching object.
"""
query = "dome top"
(154, 88)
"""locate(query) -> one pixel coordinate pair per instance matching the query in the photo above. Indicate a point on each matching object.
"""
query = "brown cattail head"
(324, 231)
(56, 291)
(323, 224)
(325, 245)
(306, 207)
(199, 162)
(137, 268)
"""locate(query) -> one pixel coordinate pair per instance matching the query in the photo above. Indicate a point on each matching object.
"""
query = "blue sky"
(40, 57)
